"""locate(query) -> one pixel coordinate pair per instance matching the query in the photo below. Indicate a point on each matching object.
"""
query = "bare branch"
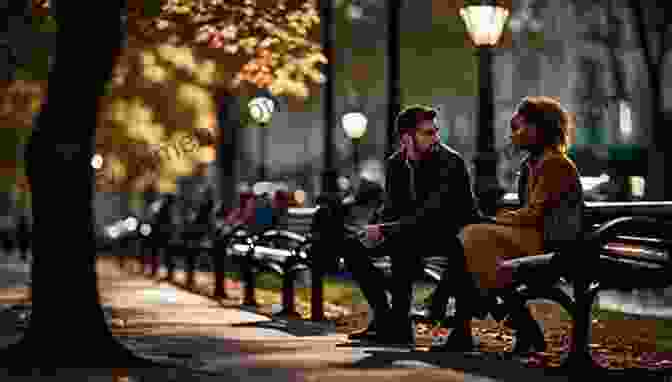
(594, 35)
(615, 35)
(642, 33)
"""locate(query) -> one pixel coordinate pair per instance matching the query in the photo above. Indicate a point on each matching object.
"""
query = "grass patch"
(662, 328)
(664, 335)
(336, 291)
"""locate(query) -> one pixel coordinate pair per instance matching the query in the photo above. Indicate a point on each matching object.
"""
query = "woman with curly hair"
(551, 200)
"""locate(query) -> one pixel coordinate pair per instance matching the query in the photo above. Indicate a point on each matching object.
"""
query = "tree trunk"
(227, 162)
(66, 306)
(394, 73)
(657, 183)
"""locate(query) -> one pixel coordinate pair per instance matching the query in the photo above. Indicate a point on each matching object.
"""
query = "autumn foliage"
(178, 54)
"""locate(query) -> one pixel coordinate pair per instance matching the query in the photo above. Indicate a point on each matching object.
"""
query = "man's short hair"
(409, 118)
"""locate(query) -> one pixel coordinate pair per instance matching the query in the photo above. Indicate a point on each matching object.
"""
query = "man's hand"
(373, 232)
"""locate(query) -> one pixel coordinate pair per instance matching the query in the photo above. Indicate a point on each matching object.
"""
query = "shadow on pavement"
(295, 327)
(495, 366)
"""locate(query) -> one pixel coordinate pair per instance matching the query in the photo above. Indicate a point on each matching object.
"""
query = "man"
(428, 193)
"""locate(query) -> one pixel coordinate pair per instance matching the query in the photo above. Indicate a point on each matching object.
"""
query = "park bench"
(625, 246)
(280, 250)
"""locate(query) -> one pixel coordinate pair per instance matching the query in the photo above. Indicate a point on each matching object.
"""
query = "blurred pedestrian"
(163, 231)
(241, 215)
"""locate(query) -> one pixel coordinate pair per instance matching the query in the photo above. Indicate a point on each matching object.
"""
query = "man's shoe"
(397, 339)
(529, 339)
(396, 336)
(368, 334)
(529, 335)
(398, 342)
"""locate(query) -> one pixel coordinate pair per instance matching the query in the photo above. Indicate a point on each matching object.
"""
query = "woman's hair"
(548, 115)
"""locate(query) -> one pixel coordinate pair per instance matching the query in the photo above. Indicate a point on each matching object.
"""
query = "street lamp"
(354, 124)
(485, 24)
(261, 110)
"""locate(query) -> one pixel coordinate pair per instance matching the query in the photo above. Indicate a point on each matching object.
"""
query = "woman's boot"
(529, 335)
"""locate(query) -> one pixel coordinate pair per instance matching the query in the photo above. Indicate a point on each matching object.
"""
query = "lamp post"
(394, 71)
(261, 110)
(354, 124)
(485, 24)
(329, 189)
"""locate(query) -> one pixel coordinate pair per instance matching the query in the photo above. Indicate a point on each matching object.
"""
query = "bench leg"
(155, 258)
(579, 358)
(146, 256)
(170, 261)
(288, 297)
(317, 294)
(218, 259)
(249, 298)
(191, 265)
(122, 261)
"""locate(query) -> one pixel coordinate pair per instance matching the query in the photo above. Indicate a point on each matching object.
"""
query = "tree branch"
(665, 31)
(595, 36)
(640, 26)
(660, 37)
(614, 40)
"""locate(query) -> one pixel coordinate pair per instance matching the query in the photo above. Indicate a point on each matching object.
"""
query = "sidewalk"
(208, 340)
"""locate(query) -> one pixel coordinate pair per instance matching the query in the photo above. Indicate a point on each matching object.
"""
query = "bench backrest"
(300, 220)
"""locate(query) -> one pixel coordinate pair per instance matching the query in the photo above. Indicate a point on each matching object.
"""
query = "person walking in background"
(202, 223)
(241, 215)
(163, 232)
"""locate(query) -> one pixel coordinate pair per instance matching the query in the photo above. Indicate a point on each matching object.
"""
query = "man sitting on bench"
(428, 192)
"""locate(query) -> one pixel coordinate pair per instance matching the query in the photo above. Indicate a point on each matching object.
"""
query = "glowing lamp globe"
(485, 23)
(261, 109)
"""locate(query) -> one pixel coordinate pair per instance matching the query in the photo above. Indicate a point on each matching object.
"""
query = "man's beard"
(426, 151)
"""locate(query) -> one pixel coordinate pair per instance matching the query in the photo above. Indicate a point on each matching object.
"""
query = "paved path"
(216, 340)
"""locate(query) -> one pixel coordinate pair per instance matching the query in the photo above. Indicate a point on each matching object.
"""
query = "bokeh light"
(97, 161)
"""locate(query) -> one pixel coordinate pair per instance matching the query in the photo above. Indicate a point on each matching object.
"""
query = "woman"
(551, 201)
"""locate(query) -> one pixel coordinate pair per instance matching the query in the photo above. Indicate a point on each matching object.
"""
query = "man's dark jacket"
(432, 194)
